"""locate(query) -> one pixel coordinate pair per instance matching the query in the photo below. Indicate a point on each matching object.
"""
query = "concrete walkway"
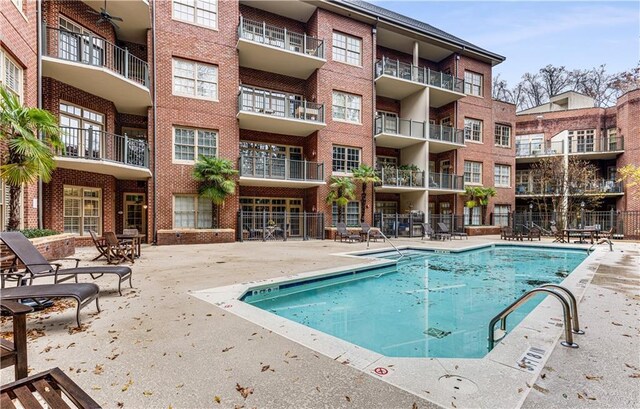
(157, 346)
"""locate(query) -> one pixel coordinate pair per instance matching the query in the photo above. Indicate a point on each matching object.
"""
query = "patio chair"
(558, 235)
(119, 251)
(15, 353)
(373, 233)
(445, 230)
(343, 233)
(38, 266)
(100, 244)
(506, 233)
(83, 293)
(427, 231)
(533, 233)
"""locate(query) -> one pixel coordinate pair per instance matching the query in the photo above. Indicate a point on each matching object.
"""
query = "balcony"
(136, 15)
(399, 133)
(95, 151)
(596, 148)
(595, 187)
(275, 49)
(277, 112)
(445, 138)
(397, 180)
(398, 80)
(443, 183)
(530, 151)
(279, 172)
(98, 67)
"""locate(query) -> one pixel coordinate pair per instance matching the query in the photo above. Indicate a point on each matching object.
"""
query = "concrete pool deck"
(159, 346)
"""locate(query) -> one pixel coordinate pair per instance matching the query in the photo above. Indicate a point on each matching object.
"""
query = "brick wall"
(628, 123)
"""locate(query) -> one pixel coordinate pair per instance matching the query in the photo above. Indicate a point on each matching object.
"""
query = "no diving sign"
(380, 371)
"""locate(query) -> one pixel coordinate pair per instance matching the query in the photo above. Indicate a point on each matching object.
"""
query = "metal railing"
(446, 181)
(95, 51)
(280, 168)
(410, 72)
(94, 144)
(399, 225)
(524, 149)
(595, 145)
(280, 37)
(594, 187)
(267, 225)
(402, 127)
(446, 134)
(279, 104)
(390, 176)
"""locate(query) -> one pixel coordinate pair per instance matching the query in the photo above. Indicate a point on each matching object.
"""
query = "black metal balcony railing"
(95, 51)
(390, 176)
(410, 72)
(599, 186)
(402, 127)
(446, 134)
(595, 145)
(93, 144)
(446, 181)
(279, 168)
(279, 104)
(538, 148)
(280, 37)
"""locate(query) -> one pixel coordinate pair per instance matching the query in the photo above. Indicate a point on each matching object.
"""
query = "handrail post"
(90, 49)
(126, 63)
(89, 142)
(573, 303)
(264, 31)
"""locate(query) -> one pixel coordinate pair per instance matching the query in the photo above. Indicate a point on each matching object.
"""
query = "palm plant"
(216, 177)
(28, 155)
(478, 196)
(364, 174)
(342, 191)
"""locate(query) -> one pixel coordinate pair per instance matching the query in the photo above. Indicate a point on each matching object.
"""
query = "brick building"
(570, 126)
(291, 92)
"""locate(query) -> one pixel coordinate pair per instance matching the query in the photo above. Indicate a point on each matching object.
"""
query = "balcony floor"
(436, 146)
(435, 191)
(265, 182)
(268, 58)
(396, 141)
(276, 124)
(396, 88)
(115, 169)
(596, 155)
(440, 96)
(398, 189)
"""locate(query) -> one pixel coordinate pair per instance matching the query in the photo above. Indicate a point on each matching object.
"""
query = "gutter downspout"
(154, 176)
(374, 39)
(39, 22)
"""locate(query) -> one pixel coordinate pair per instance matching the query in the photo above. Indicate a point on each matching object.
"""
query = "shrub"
(33, 233)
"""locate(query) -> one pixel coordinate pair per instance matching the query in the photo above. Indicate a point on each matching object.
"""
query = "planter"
(52, 247)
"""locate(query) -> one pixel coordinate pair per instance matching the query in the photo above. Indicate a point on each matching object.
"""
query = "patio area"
(158, 346)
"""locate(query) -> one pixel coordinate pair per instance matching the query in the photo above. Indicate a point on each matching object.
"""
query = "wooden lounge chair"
(119, 251)
(83, 293)
(533, 233)
(101, 245)
(38, 266)
(344, 235)
(558, 235)
(373, 233)
(15, 353)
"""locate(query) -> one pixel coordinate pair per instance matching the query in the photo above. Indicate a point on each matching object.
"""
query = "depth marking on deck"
(531, 359)
(380, 371)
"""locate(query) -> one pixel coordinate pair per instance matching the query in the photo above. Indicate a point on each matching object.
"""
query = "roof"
(413, 24)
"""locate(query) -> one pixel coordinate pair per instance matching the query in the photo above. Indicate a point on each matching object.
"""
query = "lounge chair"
(558, 235)
(506, 233)
(445, 230)
(373, 233)
(119, 251)
(427, 231)
(83, 293)
(15, 353)
(343, 233)
(101, 245)
(38, 266)
(533, 233)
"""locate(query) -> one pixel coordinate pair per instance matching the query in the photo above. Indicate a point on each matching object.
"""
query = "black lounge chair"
(343, 233)
(38, 266)
(83, 293)
(373, 233)
(445, 230)
(427, 231)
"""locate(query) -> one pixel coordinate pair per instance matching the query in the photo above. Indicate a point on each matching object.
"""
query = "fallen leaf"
(245, 392)
(98, 369)
(265, 368)
(96, 388)
(347, 398)
(580, 396)
(180, 385)
(120, 404)
(414, 406)
(227, 349)
(147, 393)
(216, 398)
(544, 375)
(126, 385)
(616, 324)
(593, 377)
(634, 375)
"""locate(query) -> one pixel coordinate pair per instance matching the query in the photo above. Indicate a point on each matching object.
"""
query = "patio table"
(137, 242)
(582, 232)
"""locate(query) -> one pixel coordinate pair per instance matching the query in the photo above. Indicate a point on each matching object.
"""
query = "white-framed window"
(582, 141)
(474, 214)
(350, 213)
(345, 159)
(347, 49)
(76, 122)
(5, 198)
(445, 208)
(502, 135)
(189, 144)
(82, 210)
(386, 207)
(195, 79)
(192, 212)
(501, 215)
(473, 83)
(472, 130)
(472, 172)
(201, 12)
(386, 162)
(10, 74)
(346, 107)
(502, 175)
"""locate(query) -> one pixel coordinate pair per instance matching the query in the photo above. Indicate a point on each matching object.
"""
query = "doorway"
(135, 212)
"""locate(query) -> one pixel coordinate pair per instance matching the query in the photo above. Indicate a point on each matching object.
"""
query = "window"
(75, 123)
(192, 212)
(82, 210)
(386, 162)
(501, 215)
(522, 182)
(502, 175)
(195, 79)
(345, 159)
(189, 144)
(582, 141)
(445, 208)
(472, 172)
(502, 136)
(350, 213)
(10, 74)
(472, 130)
(473, 83)
(386, 207)
(472, 216)
(346, 107)
(5, 198)
(388, 122)
(346, 48)
(201, 12)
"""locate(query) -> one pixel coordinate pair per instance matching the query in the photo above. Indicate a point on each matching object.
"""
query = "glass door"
(135, 212)
(295, 218)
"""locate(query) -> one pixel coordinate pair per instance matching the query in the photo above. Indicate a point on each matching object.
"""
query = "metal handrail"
(502, 316)
(445, 181)
(280, 37)
(278, 104)
(392, 176)
(423, 75)
(601, 241)
(280, 168)
(595, 144)
(538, 148)
(387, 239)
(399, 126)
(573, 303)
(446, 134)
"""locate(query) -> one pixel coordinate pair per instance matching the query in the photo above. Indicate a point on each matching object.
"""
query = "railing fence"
(282, 226)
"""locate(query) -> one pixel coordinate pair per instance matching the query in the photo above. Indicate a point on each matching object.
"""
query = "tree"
(597, 84)
(534, 93)
(555, 80)
(28, 156)
(365, 175)
(629, 174)
(343, 190)
(216, 177)
(478, 196)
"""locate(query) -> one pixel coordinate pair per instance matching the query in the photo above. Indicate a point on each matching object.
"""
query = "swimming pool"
(428, 305)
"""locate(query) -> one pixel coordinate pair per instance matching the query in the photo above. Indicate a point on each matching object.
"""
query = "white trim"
(195, 15)
(195, 95)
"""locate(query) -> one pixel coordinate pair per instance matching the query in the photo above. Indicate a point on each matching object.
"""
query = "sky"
(532, 34)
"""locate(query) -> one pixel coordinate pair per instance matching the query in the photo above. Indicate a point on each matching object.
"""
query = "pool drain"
(458, 384)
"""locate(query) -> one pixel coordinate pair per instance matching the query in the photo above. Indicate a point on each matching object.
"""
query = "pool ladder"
(387, 239)
(569, 312)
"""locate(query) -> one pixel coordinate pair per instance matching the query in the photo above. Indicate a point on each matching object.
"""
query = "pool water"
(429, 305)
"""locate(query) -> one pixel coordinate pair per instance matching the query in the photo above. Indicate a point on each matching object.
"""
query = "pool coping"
(497, 377)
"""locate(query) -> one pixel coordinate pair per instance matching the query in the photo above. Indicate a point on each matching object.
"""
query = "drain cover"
(458, 384)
